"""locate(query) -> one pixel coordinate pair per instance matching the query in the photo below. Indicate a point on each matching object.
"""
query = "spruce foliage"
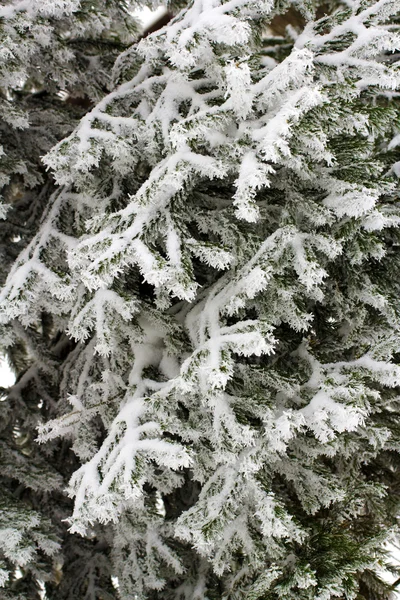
(201, 284)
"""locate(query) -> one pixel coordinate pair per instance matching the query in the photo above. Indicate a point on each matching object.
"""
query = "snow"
(210, 152)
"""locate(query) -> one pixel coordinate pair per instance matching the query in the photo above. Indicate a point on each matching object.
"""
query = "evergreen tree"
(55, 60)
(202, 305)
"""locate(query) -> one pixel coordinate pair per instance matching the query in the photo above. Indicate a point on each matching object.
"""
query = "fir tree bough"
(201, 269)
